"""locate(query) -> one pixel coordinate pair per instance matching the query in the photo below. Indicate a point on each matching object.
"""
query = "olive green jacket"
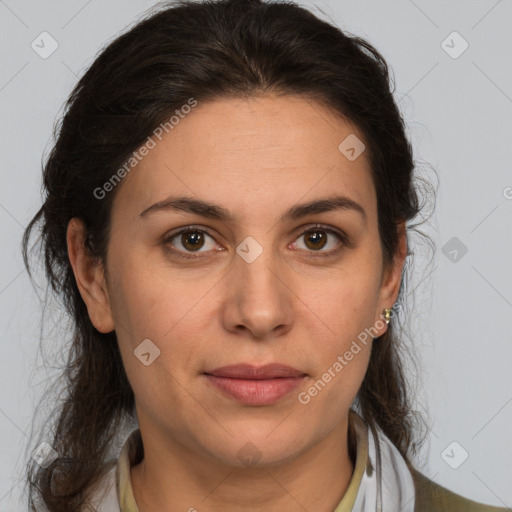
(432, 497)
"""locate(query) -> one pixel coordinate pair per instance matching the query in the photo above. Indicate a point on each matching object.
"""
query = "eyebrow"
(213, 211)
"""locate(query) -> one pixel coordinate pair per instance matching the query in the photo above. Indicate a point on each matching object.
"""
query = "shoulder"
(432, 497)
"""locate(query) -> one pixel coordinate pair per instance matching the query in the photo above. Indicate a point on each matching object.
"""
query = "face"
(268, 282)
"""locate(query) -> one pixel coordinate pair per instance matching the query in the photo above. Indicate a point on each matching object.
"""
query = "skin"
(256, 158)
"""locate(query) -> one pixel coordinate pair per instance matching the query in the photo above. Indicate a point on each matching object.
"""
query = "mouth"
(253, 372)
(255, 385)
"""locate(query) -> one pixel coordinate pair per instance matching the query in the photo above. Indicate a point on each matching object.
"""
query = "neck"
(172, 477)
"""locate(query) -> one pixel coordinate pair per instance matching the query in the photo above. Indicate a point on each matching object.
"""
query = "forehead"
(251, 152)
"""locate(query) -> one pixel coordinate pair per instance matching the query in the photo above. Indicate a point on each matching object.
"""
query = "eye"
(191, 240)
(318, 237)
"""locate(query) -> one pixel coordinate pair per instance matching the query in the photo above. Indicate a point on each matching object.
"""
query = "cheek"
(147, 302)
(171, 313)
(342, 307)
(152, 318)
(344, 312)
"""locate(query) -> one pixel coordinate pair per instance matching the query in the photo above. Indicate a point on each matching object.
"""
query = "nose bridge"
(261, 299)
(264, 274)
(256, 264)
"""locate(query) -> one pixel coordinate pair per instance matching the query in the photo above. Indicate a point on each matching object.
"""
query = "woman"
(225, 219)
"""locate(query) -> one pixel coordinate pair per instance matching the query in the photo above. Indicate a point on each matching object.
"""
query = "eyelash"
(345, 241)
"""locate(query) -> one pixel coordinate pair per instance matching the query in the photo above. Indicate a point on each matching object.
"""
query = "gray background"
(459, 117)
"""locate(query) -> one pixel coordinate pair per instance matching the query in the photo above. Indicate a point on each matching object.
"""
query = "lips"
(255, 385)
(252, 372)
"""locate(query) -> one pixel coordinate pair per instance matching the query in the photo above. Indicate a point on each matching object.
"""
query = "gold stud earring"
(387, 315)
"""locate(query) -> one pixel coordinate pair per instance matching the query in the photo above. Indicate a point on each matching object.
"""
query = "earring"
(387, 315)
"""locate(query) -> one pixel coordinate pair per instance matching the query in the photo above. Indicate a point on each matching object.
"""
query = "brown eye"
(190, 240)
(318, 238)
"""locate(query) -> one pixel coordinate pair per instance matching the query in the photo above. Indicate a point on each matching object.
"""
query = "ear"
(391, 279)
(90, 278)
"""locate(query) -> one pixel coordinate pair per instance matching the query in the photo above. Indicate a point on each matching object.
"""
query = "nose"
(259, 298)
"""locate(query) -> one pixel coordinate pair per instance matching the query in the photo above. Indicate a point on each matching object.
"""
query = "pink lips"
(256, 385)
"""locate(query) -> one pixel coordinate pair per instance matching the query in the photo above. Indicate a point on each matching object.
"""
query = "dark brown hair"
(202, 50)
